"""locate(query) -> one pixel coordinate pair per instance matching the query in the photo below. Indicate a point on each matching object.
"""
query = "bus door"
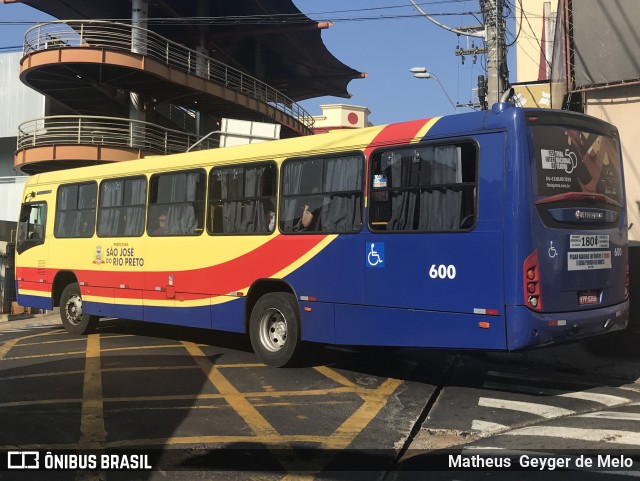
(33, 280)
(579, 225)
(433, 257)
(173, 283)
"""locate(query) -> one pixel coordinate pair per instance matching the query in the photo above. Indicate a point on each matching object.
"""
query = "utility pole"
(497, 74)
(493, 31)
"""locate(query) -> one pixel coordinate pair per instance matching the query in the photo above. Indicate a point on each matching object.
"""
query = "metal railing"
(106, 131)
(130, 38)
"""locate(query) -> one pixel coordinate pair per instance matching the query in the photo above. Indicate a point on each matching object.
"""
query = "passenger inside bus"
(162, 224)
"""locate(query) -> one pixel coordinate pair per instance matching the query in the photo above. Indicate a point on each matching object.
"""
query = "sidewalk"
(11, 321)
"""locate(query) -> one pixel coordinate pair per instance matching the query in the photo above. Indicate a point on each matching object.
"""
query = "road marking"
(547, 412)
(486, 427)
(234, 398)
(41, 343)
(92, 415)
(610, 436)
(606, 399)
(623, 416)
(373, 403)
(7, 346)
(43, 374)
(335, 376)
(526, 377)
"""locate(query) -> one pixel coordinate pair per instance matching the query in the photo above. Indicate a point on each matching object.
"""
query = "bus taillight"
(531, 282)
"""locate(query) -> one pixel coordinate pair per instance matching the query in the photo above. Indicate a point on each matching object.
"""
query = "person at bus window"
(162, 224)
(271, 220)
(269, 215)
(306, 220)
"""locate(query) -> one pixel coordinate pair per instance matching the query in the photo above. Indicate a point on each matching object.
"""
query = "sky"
(366, 39)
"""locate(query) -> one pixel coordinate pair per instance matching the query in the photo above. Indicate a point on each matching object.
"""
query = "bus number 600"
(442, 271)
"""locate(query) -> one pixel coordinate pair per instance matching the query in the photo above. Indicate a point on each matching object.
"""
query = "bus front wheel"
(73, 319)
(274, 329)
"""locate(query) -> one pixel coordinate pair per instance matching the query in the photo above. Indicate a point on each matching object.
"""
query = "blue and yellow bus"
(502, 229)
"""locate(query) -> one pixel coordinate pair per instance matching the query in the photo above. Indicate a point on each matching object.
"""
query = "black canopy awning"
(268, 39)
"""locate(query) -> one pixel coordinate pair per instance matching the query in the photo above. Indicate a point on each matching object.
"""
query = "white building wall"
(11, 190)
(620, 106)
(18, 103)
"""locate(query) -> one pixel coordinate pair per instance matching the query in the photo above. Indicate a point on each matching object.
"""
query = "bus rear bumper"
(526, 328)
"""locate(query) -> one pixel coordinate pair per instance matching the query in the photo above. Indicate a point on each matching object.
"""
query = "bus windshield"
(573, 164)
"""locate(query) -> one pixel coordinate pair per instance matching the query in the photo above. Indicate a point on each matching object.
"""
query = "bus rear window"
(575, 161)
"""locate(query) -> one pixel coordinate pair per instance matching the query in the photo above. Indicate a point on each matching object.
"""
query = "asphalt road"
(198, 405)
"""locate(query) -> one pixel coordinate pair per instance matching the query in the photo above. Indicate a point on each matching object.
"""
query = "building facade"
(593, 67)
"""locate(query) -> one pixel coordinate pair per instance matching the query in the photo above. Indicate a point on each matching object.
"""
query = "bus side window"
(322, 194)
(179, 199)
(242, 199)
(31, 230)
(122, 207)
(76, 210)
(424, 189)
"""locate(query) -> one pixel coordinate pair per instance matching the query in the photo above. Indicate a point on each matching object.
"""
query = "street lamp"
(422, 72)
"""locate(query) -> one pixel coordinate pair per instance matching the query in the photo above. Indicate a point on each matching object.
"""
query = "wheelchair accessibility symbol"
(375, 254)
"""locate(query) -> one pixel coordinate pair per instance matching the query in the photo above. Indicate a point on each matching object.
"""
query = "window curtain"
(84, 224)
(254, 217)
(404, 172)
(134, 214)
(291, 185)
(64, 219)
(110, 199)
(232, 181)
(440, 208)
(342, 212)
(181, 217)
(243, 210)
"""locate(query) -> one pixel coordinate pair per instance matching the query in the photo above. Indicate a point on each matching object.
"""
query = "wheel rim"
(273, 330)
(73, 309)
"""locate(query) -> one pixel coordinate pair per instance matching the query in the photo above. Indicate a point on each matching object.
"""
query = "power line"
(284, 18)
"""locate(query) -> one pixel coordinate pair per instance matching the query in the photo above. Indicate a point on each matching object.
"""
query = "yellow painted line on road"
(236, 400)
(59, 341)
(144, 348)
(335, 376)
(42, 374)
(39, 356)
(148, 368)
(373, 403)
(39, 402)
(177, 440)
(7, 346)
(92, 417)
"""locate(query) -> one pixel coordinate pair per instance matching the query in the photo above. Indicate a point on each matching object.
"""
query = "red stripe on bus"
(265, 261)
(396, 134)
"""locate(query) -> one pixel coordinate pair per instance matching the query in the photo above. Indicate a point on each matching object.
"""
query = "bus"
(502, 229)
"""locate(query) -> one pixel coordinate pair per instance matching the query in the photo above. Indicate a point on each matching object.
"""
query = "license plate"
(588, 297)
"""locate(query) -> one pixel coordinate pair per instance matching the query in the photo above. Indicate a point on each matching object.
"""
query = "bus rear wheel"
(274, 329)
(73, 319)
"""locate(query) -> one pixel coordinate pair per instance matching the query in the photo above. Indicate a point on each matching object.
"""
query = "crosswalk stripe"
(610, 436)
(487, 427)
(622, 416)
(606, 399)
(530, 378)
(542, 410)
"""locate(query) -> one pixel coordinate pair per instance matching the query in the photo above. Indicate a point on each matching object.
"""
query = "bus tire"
(73, 320)
(274, 329)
